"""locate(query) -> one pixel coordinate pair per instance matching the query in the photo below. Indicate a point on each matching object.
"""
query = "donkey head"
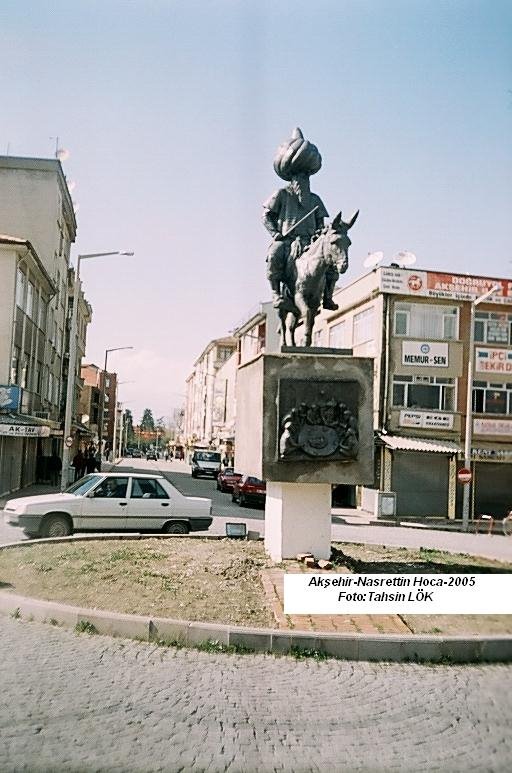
(339, 240)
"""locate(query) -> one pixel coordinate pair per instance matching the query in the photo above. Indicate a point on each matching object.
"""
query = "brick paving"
(273, 584)
(78, 704)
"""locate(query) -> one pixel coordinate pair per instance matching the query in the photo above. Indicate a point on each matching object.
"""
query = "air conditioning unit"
(42, 415)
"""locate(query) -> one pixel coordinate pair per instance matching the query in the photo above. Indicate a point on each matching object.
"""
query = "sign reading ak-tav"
(24, 430)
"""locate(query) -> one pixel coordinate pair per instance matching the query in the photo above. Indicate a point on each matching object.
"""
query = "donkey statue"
(305, 278)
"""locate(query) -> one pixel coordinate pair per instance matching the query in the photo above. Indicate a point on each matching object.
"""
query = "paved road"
(78, 703)
(178, 473)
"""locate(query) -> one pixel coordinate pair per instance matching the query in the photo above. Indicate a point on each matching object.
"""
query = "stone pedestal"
(298, 520)
(304, 422)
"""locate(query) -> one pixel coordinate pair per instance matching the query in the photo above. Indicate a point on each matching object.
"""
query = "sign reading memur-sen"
(425, 354)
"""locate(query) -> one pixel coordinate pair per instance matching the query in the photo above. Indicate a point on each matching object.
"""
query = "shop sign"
(431, 284)
(493, 360)
(491, 455)
(492, 426)
(10, 397)
(24, 430)
(427, 355)
(426, 420)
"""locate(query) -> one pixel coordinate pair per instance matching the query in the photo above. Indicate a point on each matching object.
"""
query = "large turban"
(297, 156)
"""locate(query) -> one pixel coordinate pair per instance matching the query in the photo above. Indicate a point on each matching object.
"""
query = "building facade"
(416, 326)
(206, 419)
(37, 211)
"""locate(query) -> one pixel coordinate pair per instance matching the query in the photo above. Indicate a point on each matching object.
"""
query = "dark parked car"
(227, 479)
(249, 489)
(136, 453)
(151, 455)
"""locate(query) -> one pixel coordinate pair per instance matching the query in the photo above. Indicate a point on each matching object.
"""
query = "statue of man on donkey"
(305, 259)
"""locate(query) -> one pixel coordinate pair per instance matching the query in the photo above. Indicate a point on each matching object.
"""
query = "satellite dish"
(405, 258)
(373, 259)
(62, 154)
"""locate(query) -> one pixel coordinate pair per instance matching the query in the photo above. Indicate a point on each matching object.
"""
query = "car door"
(149, 506)
(105, 507)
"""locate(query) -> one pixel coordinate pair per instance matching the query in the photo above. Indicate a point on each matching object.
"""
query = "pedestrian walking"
(90, 462)
(54, 468)
(79, 463)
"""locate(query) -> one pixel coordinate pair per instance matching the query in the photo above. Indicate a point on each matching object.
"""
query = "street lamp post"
(70, 384)
(468, 435)
(103, 393)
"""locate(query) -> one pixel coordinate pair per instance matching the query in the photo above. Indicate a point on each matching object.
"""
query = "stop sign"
(464, 475)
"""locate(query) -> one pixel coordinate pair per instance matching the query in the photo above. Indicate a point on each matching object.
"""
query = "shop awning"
(401, 443)
(20, 425)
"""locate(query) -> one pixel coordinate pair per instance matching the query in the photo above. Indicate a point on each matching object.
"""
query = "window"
(147, 488)
(424, 392)
(20, 288)
(493, 327)
(30, 299)
(15, 364)
(363, 326)
(338, 336)
(112, 487)
(423, 320)
(492, 398)
(41, 321)
(317, 338)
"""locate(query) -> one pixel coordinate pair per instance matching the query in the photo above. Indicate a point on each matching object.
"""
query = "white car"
(112, 501)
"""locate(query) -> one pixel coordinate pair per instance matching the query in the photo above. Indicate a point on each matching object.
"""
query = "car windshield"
(82, 486)
(207, 456)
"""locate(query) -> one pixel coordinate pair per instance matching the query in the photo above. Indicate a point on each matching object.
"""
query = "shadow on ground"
(408, 566)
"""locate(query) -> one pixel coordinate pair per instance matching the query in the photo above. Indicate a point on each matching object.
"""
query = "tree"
(147, 423)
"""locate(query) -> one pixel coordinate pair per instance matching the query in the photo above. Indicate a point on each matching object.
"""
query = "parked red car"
(249, 489)
(227, 478)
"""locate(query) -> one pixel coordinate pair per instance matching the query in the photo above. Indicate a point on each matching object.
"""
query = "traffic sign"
(464, 475)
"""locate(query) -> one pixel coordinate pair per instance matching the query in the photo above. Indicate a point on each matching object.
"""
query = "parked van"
(207, 463)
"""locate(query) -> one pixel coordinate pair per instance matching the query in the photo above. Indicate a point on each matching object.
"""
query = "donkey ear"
(352, 220)
(336, 222)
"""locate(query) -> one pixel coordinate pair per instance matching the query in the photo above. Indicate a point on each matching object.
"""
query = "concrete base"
(298, 519)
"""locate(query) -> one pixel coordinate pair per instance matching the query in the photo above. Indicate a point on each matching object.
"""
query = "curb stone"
(376, 647)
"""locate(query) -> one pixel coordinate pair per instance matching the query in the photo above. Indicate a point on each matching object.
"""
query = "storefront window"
(424, 393)
(492, 398)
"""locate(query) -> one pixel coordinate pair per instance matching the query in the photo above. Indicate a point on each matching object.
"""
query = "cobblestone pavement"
(89, 703)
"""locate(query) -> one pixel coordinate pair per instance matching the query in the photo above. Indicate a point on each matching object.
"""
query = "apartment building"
(37, 211)
(208, 413)
(416, 326)
(99, 390)
(29, 394)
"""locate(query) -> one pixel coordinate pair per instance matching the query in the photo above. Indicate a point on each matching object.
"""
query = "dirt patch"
(202, 580)
(219, 580)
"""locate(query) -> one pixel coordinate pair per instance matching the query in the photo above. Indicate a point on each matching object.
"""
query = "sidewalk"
(35, 489)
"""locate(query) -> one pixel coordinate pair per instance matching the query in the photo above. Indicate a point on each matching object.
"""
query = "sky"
(172, 112)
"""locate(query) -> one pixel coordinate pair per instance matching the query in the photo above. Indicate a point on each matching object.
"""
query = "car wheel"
(242, 501)
(233, 498)
(176, 527)
(194, 474)
(56, 526)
